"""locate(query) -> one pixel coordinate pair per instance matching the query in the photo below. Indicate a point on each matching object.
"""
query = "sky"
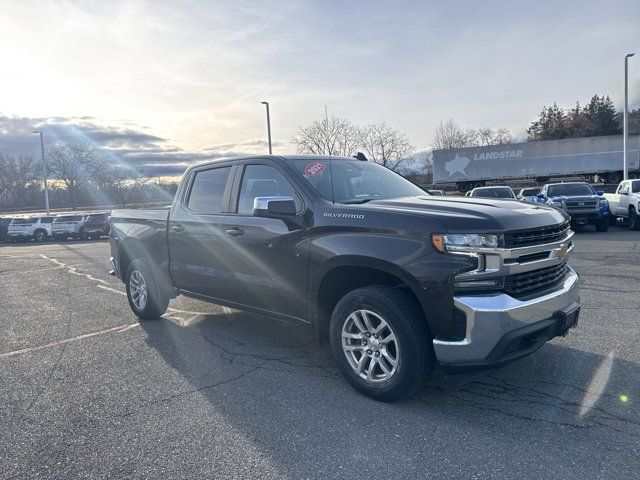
(163, 84)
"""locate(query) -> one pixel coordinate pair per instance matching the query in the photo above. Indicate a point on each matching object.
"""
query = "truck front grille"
(521, 284)
(581, 204)
(536, 236)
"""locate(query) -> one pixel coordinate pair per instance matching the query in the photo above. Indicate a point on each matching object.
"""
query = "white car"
(625, 203)
(27, 228)
(65, 226)
(502, 192)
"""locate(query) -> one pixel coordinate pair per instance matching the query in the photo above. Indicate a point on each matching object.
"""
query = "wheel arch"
(340, 275)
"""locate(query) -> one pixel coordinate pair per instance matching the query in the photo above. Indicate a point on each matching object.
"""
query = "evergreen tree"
(602, 114)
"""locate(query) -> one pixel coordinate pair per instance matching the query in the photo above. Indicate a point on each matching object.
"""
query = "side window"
(624, 187)
(636, 186)
(47, 219)
(207, 190)
(261, 181)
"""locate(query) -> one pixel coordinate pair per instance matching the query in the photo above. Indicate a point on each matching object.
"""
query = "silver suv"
(27, 228)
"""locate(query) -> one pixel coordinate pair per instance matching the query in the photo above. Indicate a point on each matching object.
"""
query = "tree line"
(596, 118)
(338, 136)
(79, 175)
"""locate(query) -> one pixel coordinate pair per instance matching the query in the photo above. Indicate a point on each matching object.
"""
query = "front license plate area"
(568, 319)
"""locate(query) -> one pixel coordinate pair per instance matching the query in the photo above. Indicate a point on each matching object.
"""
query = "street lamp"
(268, 125)
(625, 123)
(46, 175)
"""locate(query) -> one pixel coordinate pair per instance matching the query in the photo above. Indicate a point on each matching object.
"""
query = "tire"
(634, 221)
(602, 225)
(140, 279)
(361, 365)
(39, 235)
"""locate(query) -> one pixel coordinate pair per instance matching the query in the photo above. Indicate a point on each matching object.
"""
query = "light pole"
(268, 125)
(46, 174)
(625, 122)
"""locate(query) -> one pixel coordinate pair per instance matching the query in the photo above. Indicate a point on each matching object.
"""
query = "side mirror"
(274, 207)
(520, 197)
(624, 193)
(600, 192)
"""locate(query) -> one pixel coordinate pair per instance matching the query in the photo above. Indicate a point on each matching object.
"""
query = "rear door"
(196, 231)
(269, 255)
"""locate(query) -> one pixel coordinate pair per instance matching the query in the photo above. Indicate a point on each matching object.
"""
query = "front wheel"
(381, 343)
(602, 225)
(145, 298)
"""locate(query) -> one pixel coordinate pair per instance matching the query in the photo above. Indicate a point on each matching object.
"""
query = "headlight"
(603, 201)
(468, 240)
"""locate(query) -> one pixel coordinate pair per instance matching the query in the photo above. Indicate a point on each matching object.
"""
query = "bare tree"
(72, 164)
(330, 136)
(488, 136)
(17, 176)
(450, 135)
(123, 185)
(385, 146)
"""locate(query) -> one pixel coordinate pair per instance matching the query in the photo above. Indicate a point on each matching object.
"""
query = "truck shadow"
(275, 382)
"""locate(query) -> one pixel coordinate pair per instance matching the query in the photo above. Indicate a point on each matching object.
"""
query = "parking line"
(119, 328)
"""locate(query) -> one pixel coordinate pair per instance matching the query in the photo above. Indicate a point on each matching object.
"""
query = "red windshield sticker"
(314, 168)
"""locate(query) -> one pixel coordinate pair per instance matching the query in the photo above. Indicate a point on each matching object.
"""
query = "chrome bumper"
(490, 317)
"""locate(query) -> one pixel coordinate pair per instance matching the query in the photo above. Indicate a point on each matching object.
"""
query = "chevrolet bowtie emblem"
(561, 251)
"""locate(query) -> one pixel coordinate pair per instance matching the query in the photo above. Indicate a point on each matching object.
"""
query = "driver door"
(269, 255)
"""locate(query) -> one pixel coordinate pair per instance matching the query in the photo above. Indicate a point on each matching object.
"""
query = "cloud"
(128, 146)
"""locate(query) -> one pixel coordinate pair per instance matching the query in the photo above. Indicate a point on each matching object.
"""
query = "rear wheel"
(602, 225)
(39, 235)
(634, 221)
(145, 298)
(380, 342)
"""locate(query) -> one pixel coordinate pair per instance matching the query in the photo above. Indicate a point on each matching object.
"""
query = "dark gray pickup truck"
(399, 282)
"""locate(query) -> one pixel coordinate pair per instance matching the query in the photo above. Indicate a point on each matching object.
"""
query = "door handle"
(234, 231)
(177, 228)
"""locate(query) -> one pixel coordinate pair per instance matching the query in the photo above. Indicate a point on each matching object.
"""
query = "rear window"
(98, 217)
(24, 221)
(68, 218)
(530, 192)
(493, 193)
(207, 190)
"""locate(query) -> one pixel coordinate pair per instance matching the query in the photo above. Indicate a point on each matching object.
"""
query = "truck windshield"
(345, 181)
(569, 190)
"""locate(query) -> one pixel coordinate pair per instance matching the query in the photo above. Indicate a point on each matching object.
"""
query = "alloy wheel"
(370, 346)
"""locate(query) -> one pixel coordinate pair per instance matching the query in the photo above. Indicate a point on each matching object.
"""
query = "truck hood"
(574, 198)
(467, 214)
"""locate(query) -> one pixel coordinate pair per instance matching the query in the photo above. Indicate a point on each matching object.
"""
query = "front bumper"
(496, 322)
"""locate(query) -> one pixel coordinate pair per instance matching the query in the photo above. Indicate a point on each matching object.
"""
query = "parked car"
(605, 187)
(397, 281)
(503, 192)
(529, 194)
(65, 226)
(585, 205)
(4, 229)
(625, 203)
(96, 225)
(24, 229)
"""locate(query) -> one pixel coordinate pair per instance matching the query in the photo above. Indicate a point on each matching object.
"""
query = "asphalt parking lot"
(208, 392)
